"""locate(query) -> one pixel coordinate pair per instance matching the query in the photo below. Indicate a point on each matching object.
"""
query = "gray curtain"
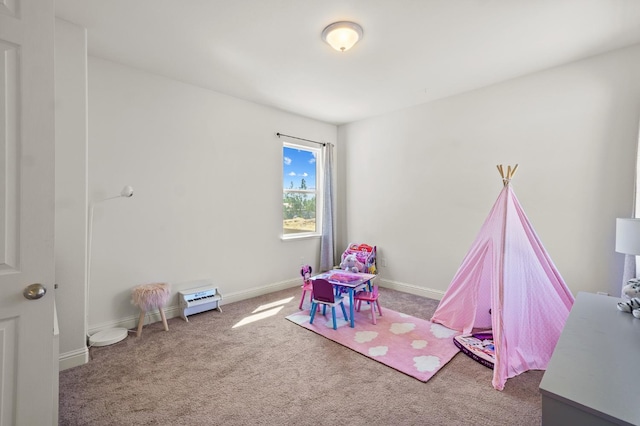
(327, 240)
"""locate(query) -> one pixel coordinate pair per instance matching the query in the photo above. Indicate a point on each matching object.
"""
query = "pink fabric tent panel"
(508, 271)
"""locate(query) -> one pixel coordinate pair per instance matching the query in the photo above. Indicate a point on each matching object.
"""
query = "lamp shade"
(628, 236)
(342, 35)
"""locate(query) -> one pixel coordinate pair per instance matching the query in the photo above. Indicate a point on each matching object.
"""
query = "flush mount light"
(342, 35)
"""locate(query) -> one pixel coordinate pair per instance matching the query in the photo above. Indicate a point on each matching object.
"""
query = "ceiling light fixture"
(342, 35)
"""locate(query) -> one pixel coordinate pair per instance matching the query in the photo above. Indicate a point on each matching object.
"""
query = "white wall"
(207, 171)
(420, 182)
(71, 190)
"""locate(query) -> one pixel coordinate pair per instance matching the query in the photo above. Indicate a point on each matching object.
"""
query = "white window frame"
(318, 190)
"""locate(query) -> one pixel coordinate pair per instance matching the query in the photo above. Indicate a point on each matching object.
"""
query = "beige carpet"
(273, 372)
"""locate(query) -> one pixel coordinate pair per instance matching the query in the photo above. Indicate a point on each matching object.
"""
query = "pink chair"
(323, 295)
(305, 271)
(372, 298)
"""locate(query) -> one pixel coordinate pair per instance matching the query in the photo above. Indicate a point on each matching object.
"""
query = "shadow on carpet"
(416, 347)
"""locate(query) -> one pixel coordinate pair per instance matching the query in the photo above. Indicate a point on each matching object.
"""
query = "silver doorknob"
(34, 291)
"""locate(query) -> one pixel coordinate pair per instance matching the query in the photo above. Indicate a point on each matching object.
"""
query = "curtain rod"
(302, 139)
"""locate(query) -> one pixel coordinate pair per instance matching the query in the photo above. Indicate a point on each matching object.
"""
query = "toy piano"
(199, 299)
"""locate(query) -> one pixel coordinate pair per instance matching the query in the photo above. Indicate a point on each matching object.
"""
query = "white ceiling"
(413, 51)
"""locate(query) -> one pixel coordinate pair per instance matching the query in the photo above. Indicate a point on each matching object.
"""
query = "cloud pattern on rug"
(402, 328)
(442, 332)
(419, 344)
(365, 336)
(378, 351)
(411, 345)
(426, 363)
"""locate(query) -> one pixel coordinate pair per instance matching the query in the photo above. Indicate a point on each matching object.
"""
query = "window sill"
(296, 237)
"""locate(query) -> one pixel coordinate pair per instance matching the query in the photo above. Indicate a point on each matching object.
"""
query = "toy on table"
(350, 263)
(365, 255)
(632, 291)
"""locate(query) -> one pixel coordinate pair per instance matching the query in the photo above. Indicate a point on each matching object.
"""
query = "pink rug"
(411, 345)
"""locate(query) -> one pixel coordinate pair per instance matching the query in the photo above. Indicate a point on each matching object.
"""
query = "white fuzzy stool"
(148, 297)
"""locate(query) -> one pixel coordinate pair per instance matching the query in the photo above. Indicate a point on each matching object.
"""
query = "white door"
(28, 381)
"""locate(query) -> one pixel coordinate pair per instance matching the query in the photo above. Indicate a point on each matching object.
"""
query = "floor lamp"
(113, 335)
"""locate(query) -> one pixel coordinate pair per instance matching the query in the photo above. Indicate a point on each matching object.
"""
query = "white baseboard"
(411, 289)
(81, 356)
(74, 358)
(172, 311)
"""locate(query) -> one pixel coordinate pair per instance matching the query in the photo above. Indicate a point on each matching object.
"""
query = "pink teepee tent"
(507, 282)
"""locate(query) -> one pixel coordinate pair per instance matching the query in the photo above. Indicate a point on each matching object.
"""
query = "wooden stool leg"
(164, 319)
(140, 323)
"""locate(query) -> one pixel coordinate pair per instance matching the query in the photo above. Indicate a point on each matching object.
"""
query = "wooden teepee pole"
(510, 172)
(513, 172)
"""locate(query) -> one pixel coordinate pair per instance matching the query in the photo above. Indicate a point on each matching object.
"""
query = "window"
(302, 198)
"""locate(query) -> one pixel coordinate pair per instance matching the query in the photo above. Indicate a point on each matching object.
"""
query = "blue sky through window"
(298, 164)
